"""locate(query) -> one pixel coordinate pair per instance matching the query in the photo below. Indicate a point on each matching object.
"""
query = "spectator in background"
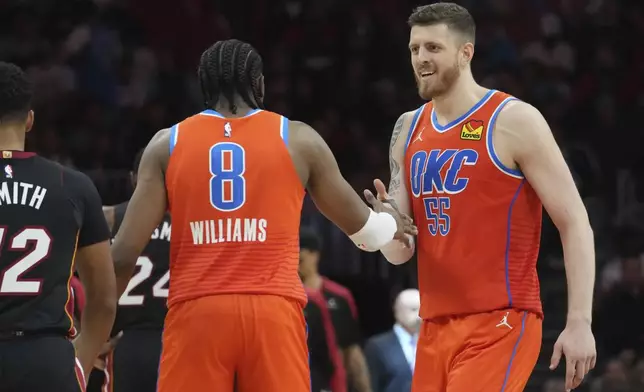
(614, 379)
(619, 315)
(343, 312)
(321, 342)
(391, 356)
(637, 375)
(554, 385)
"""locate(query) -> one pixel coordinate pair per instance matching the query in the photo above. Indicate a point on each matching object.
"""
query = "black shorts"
(133, 366)
(36, 364)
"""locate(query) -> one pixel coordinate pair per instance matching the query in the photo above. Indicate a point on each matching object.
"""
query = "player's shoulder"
(263, 113)
(517, 110)
(159, 148)
(161, 139)
(403, 127)
(75, 179)
(520, 119)
(406, 119)
(303, 136)
(43, 164)
(409, 115)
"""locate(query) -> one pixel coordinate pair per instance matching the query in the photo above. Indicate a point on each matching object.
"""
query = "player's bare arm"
(108, 211)
(145, 209)
(523, 136)
(396, 252)
(336, 199)
(94, 264)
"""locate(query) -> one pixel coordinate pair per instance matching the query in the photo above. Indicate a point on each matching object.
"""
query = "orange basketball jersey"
(479, 221)
(235, 200)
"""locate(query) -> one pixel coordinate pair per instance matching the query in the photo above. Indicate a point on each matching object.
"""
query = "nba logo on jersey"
(8, 171)
(228, 130)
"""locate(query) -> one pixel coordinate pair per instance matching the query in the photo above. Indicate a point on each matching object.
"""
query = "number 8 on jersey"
(227, 184)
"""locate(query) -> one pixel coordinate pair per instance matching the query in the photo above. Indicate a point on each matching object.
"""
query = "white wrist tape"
(376, 233)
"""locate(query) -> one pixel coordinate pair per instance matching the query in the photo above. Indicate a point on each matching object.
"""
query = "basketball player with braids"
(233, 178)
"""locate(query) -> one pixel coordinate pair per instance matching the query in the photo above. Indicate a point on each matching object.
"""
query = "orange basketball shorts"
(243, 343)
(486, 352)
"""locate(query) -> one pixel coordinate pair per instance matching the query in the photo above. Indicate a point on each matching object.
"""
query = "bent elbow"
(103, 304)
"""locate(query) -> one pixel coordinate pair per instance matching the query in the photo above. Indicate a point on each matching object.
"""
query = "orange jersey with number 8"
(235, 200)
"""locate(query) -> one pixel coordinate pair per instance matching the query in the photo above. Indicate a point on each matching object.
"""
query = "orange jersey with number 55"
(235, 199)
(479, 221)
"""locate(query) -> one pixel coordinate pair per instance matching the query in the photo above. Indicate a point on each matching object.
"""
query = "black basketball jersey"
(47, 211)
(143, 304)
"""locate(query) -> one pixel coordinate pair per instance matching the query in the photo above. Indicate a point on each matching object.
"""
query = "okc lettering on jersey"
(435, 175)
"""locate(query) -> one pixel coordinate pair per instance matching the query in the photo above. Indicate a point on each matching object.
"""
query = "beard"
(439, 83)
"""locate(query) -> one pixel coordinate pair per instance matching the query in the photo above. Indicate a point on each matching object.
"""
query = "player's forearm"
(97, 321)
(397, 253)
(124, 264)
(357, 369)
(579, 259)
(123, 272)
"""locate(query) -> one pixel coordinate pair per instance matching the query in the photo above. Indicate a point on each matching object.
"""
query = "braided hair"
(231, 68)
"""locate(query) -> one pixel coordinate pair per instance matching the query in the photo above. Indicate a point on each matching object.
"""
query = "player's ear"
(30, 121)
(467, 53)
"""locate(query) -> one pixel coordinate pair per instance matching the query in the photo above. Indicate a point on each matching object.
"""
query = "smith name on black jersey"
(143, 304)
(47, 211)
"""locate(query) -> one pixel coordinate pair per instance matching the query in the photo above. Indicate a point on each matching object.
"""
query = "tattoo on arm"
(394, 167)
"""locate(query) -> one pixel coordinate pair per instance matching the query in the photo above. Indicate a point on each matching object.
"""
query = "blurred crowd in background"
(110, 73)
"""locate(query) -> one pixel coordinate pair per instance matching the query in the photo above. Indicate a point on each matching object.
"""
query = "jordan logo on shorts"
(504, 321)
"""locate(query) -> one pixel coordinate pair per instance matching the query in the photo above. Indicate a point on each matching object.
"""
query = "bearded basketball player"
(477, 166)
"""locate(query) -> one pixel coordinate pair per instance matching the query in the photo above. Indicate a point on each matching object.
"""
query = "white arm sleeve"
(378, 231)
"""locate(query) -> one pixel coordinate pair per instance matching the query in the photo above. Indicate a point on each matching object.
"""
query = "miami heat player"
(233, 178)
(478, 163)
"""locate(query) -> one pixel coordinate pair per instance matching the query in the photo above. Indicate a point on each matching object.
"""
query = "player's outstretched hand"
(577, 344)
(383, 203)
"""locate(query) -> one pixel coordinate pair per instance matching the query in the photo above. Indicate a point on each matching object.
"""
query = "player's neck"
(12, 140)
(313, 282)
(223, 108)
(460, 98)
